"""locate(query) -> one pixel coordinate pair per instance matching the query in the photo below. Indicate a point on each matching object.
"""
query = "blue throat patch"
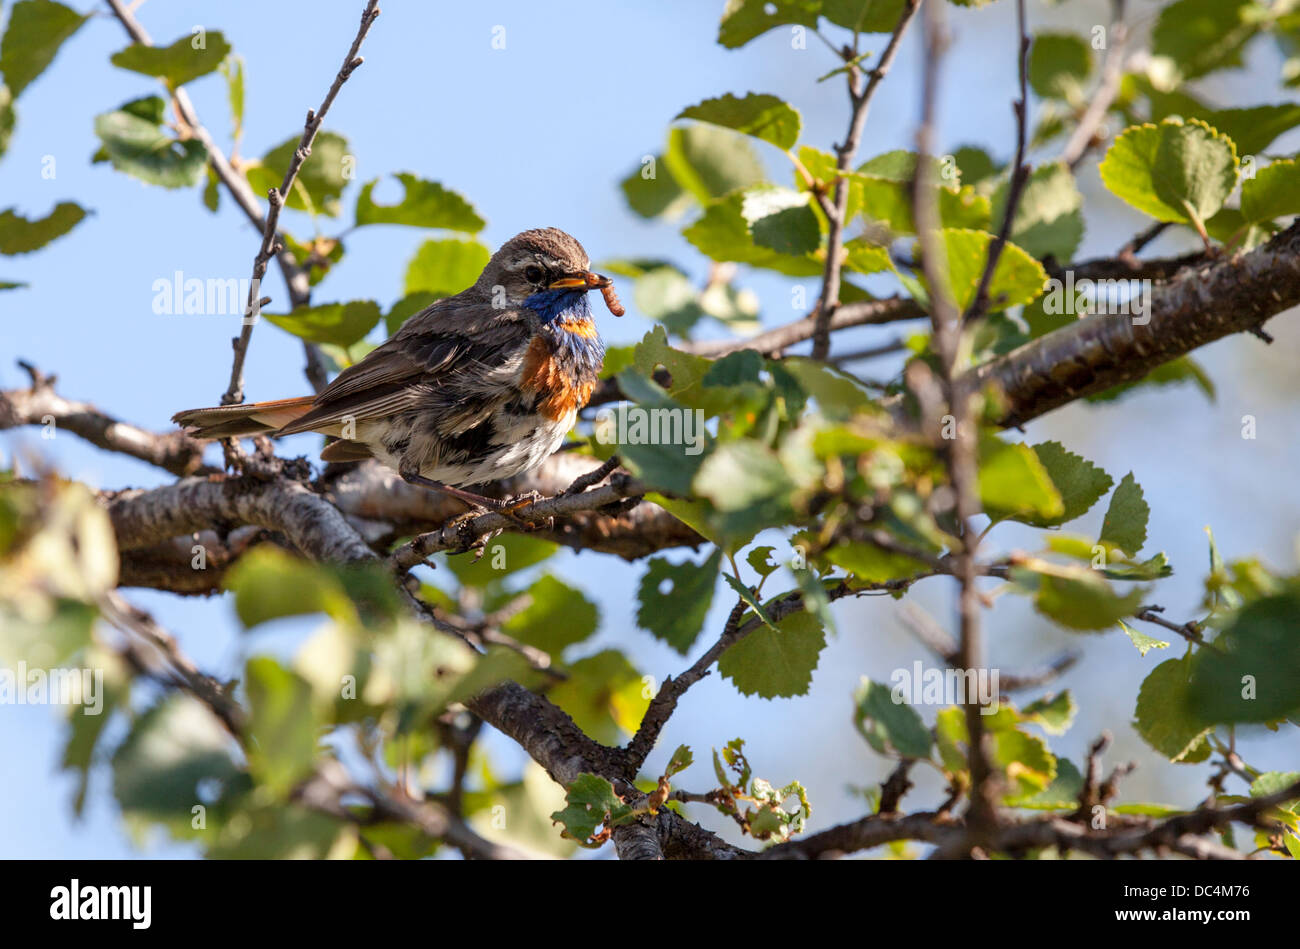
(581, 355)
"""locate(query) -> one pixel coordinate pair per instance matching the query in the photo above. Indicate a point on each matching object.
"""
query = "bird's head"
(544, 269)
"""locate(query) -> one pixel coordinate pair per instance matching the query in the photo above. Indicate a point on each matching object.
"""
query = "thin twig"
(1019, 174)
(271, 244)
(861, 101)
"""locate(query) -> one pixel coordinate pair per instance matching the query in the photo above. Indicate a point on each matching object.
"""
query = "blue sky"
(539, 134)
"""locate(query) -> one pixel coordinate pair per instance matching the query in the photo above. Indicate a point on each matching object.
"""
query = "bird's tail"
(251, 418)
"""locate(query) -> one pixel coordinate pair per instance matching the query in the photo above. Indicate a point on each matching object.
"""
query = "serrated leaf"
(36, 30)
(1013, 481)
(1141, 640)
(762, 116)
(1176, 171)
(424, 204)
(1199, 36)
(760, 559)
(177, 64)
(591, 803)
(673, 599)
(1079, 482)
(1125, 524)
(778, 662)
(864, 16)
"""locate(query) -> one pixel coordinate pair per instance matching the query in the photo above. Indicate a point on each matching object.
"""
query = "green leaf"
(1049, 217)
(748, 483)
(1017, 279)
(710, 162)
(1163, 716)
(1125, 524)
(1175, 372)
(592, 803)
(445, 267)
(888, 723)
(321, 178)
(673, 599)
(777, 662)
(1055, 713)
(424, 204)
(280, 724)
(743, 20)
(724, 234)
(761, 116)
(605, 695)
(1254, 675)
(781, 219)
(134, 141)
(681, 760)
(1141, 640)
(170, 749)
(1079, 482)
(1062, 794)
(1274, 192)
(504, 555)
(1013, 481)
(652, 191)
(232, 67)
(873, 564)
(18, 235)
(557, 617)
(269, 583)
(177, 64)
(1176, 171)
(760, 559)
(340, 324)
(864, 16)
(1059, 65)
(407, 307)
(7, 118)
(1075, 597)
(36, 30)
(1196, 37)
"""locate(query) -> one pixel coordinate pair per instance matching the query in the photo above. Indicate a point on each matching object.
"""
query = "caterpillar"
(611, 300)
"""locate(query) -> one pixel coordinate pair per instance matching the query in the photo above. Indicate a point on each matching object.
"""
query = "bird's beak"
(584, 280)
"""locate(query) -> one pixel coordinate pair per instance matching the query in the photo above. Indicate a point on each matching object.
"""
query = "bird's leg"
(478, 503)
(469, 497)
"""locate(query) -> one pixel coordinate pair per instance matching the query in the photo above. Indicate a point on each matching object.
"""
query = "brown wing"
(441, 357)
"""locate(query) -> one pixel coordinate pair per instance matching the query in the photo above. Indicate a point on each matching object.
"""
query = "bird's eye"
(533, 273)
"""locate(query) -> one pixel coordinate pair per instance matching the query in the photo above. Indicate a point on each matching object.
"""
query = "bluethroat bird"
(478, 386)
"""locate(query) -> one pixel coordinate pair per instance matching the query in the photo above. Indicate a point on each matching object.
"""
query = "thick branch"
(41, 405)
(1197, 307)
